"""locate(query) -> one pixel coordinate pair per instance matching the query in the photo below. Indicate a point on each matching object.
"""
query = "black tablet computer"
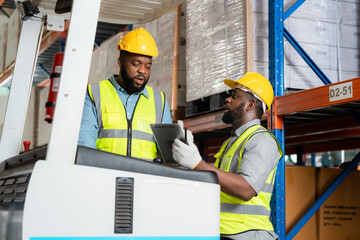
(164, 137)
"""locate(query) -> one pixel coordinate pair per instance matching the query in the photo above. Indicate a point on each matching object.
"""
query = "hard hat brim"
(230, 83)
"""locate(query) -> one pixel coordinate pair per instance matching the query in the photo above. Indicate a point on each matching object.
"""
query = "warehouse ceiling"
(45, 60)
(111, 14)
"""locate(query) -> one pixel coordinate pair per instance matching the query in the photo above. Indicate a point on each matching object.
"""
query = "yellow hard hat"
(138, 41)
(257, 84)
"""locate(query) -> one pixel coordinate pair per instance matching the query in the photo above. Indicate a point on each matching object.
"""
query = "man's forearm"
(230, 183)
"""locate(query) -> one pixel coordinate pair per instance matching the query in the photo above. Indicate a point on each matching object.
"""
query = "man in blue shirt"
(118, 112)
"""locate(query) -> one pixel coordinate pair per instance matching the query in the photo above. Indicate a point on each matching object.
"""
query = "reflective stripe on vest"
(238, 215)
(119, 135)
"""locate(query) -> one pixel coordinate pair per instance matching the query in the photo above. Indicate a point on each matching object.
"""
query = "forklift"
(68, 192)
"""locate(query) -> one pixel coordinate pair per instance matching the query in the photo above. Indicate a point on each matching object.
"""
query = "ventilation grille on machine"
(13, 190)
(124, 205)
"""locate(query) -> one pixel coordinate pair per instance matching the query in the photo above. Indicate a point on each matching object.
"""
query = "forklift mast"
(65, 191)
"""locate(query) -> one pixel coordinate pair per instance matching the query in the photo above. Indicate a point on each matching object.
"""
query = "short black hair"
(123, 53)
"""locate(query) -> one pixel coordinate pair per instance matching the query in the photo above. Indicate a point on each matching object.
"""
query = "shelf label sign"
(340, 91)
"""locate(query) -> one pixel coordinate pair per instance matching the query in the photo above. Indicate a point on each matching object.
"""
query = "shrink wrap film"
(216, 46)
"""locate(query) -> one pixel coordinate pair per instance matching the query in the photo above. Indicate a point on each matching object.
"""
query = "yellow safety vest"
(119, 135)
(237, 215)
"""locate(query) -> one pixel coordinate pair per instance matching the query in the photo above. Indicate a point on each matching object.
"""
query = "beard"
(129, 82)
(231, 116)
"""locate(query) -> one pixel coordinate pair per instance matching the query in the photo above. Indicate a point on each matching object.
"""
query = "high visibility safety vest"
(119, 135)
(237, 215)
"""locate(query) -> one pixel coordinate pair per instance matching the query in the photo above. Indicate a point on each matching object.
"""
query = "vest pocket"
(112, 116)
(143, 125)
(144, 149)
(113, 145)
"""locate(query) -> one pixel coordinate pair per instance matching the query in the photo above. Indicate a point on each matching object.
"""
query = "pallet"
(206, 105)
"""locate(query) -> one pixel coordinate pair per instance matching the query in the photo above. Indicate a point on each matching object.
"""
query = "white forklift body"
(76, 193)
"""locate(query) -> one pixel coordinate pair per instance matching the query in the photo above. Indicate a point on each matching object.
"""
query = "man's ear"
(250, 104)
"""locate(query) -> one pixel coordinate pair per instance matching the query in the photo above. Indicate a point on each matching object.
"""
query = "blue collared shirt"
(89, 127)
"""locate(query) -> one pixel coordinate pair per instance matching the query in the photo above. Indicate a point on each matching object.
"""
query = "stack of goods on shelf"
(300, 183)
(223, 35)
(337, 218)
(162, 70)
(215, 46)
(162, 29)
(104, 60)
(327, 30)
(9, 38)
(3, 34)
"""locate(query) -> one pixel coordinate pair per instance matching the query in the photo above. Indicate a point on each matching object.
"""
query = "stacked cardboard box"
(162, 29)
(338, 218)
(104, 59)
(3, 34)
(13, 36)
(300, 195)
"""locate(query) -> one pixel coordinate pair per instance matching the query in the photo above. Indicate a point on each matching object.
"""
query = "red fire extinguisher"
(54, 86)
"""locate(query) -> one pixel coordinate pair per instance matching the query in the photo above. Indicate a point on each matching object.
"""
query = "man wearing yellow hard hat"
(118, 111)
(246, 162)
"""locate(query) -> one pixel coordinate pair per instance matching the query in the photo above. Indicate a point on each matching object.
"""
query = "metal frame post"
(276, 75)
(27, 52)
(277, 33)
(74, 77)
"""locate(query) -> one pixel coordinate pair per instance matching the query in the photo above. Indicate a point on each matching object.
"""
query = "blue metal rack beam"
(277, 32)
(5, 13)
(276, 75)
(45, 71)
(306, 57)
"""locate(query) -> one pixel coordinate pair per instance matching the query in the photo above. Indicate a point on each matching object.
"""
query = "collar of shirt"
(242, 129)
(121, 89)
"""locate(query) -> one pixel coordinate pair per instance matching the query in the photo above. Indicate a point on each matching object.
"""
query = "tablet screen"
(164, 135)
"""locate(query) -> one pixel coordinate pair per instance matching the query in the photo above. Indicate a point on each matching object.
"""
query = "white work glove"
(186, 155)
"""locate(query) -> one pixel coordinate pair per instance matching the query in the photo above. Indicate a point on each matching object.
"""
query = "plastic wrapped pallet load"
(219, 43)
(13, 36)
(216, 46)
(3, 34)
(104, 60)
(162, 29)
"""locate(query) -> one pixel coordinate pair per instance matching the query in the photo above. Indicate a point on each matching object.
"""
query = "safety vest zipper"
(128, 153)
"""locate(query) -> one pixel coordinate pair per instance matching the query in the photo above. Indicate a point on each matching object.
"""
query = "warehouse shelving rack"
(313, 102)
(304, 122)
(313, 121)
